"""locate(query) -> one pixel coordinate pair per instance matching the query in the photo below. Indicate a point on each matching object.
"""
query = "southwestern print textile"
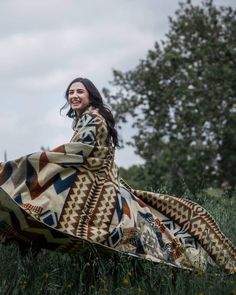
(72, 197)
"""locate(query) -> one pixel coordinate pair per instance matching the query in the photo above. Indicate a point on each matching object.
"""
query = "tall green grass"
(93, 273)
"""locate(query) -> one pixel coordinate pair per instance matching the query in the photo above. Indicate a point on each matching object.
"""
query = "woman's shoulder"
(99, 123)
(94, 114)
(90, 117)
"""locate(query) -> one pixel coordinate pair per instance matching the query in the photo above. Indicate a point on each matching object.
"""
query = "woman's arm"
(77, 150)
(56, 168)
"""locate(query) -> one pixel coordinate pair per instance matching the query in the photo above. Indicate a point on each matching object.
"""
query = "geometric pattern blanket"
(71, 197)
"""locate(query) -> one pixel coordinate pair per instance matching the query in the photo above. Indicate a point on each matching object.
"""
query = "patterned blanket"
(72, 197)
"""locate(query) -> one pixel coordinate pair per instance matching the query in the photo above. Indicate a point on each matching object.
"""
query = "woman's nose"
(74, 94)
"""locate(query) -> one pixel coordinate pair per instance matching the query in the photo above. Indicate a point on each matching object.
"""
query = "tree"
(136, 176)
(182, 98)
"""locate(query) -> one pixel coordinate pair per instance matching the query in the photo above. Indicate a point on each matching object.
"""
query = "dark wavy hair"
(95, 99)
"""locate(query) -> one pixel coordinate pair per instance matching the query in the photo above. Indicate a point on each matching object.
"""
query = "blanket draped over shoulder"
(72, 196)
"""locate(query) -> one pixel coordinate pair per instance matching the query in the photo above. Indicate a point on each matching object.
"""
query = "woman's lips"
(76, 101)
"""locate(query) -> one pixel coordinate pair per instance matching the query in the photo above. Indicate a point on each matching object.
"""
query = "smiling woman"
(72, 196)
(78, 97)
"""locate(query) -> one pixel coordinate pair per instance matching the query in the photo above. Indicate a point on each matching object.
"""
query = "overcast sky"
(45, 44)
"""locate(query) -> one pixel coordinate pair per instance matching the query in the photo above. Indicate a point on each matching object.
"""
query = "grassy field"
(55, 273)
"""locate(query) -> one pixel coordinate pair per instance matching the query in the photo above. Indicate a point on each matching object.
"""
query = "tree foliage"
(182, 98)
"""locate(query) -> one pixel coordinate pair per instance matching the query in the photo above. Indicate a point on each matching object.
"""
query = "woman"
(71, 195)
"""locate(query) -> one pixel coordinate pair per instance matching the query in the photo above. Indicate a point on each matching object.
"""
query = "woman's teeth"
(76, 101)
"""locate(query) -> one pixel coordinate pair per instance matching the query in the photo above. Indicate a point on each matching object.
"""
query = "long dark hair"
(95, 99)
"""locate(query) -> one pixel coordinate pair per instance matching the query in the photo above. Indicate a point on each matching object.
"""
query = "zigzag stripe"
(36, 189)
(75, 202)
(61, 185)
(181, 211)
(32, 182)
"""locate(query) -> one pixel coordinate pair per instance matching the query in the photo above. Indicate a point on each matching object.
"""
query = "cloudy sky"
(45, 44)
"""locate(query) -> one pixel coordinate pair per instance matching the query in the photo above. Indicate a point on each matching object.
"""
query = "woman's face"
(78, 97)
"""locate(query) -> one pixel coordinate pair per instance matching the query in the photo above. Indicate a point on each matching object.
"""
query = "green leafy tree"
(136, 176)
(182, 98)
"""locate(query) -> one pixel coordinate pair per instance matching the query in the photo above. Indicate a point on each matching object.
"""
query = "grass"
(55, 273)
